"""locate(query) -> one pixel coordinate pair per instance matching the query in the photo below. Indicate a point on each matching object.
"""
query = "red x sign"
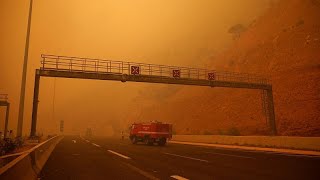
(176, 73)
(211, 76)
(135, 70)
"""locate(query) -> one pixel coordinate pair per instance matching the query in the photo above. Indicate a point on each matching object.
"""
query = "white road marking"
(222, 154)
(142, 172)
(118, 154)
(178, 177)
(96, 144)
(186, 157)
(74, 141)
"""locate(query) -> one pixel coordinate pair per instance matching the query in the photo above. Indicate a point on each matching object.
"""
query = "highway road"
(76, 157)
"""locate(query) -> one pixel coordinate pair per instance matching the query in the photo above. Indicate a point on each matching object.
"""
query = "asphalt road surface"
(106, 158)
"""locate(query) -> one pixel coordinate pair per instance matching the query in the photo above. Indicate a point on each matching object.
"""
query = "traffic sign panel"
(211, 76)
(135, 70)
(176, 73)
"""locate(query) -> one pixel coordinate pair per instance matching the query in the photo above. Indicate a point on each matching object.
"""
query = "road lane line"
(118, 154)
(96, 144)
(142, 172)
(178, 177)
(231, 155)
(186, 157)
(82, 138)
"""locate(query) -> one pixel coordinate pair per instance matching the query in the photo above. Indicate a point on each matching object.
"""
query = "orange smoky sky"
(173, 32)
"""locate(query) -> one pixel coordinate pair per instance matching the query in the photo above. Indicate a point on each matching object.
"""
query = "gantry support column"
(6, 121)
(272, 119)
(35, 104)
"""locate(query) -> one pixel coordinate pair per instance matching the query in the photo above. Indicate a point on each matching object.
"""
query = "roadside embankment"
(284, 142)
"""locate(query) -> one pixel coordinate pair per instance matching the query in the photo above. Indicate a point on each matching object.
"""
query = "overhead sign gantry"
(103, 69)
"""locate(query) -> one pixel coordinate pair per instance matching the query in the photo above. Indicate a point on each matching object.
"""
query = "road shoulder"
(249, 148)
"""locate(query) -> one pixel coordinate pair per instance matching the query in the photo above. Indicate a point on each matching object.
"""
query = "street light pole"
(24, 75)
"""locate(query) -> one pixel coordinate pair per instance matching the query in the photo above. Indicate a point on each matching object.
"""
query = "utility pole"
(24, 75)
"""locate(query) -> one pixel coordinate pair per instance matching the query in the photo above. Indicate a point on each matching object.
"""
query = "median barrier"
(29, 164)
(286, 142)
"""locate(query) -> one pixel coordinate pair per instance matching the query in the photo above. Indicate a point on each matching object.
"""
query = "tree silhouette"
(236, 30)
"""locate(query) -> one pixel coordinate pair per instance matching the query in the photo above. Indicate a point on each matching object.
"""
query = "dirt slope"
(283, 44)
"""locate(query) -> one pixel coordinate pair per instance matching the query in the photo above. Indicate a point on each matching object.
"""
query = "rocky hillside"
(283, 44)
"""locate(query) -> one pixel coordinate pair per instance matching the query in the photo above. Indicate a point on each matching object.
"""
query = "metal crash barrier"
(29, 164)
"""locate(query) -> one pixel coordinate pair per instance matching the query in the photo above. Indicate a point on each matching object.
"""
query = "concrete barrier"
(29, 164)
(286, 142)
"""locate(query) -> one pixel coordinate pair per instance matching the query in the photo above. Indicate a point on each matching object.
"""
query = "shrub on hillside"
(207, 132)
(236, 30)
(233, 132)
(230, 132)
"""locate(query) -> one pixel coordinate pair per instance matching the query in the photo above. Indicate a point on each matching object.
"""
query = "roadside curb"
(249, 148)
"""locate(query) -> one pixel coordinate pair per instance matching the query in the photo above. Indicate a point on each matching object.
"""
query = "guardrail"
(29, 164)
(88, 65)
(3, 97)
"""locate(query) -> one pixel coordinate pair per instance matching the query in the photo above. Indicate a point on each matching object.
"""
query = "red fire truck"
(150, 133)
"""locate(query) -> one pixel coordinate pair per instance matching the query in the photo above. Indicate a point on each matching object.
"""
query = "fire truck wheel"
(149, 141)
(134, 140)
(162, 142)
